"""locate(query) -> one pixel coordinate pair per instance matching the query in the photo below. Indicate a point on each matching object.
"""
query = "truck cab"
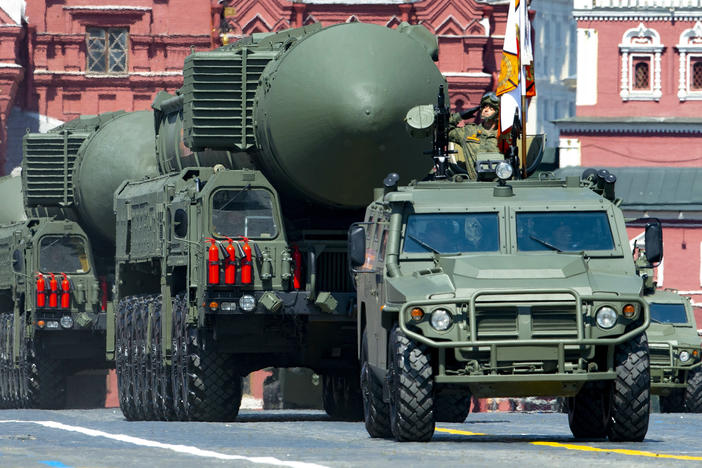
(674, 347)
(499, 290)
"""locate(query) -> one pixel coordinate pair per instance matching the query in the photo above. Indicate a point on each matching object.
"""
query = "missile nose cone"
(336, 106)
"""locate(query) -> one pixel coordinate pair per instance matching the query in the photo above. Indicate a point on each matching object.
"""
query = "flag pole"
(524, 141)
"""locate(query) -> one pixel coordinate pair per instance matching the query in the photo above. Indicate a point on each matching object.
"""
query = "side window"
(180, 223)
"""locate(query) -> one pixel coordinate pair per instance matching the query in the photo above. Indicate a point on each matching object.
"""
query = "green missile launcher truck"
(272, 142)
(54, 308)
(674, 346)
(500, 289)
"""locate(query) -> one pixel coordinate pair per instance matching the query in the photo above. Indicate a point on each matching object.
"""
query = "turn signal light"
(41, 323)
(213, 305)
(629, 311)
(417, 314)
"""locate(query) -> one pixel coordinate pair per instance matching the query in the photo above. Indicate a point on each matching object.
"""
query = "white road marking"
(187, 449)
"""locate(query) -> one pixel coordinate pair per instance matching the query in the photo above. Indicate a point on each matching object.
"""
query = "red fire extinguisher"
(246, 268)
(53, 294)
(65, 294)
(41, 287)
(297, 274)
(213, 262)
(230, 264)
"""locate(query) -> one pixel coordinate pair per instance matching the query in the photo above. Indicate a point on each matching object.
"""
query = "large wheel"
(631, 395)
(125, 356)
(148, 410)
(411, 390)
(588, 411)
(451, 404)
(376, 413)
(693, 392)
(161, 391)
(205, 383)
(47, 382)
(4, 364)
(341, 396)
(24, 372)
(674, 402)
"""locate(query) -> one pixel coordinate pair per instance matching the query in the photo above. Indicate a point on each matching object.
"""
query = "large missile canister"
(121, 149)
(329, 112)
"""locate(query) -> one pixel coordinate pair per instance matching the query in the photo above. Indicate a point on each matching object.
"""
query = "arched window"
(690, 69)
(640, 51)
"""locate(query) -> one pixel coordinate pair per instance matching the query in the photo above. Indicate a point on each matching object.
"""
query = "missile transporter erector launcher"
(244, 266)
(52, 322)
(230, 232)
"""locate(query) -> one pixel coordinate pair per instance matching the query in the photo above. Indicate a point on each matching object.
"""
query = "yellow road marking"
(456, 431)
(636, 453)
(584, 448)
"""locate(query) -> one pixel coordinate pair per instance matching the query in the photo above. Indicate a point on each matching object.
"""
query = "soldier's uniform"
(473, 139)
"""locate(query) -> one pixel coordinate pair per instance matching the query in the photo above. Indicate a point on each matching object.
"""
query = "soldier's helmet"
(490, 99)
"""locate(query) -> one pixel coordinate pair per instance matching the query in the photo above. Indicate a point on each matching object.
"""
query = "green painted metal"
(522, 321)
(12, 207)
(667, 340)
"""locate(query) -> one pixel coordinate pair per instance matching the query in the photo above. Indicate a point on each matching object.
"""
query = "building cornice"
(611, 14)
(638, 125)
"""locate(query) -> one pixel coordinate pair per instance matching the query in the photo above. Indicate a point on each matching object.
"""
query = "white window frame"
(689, 46)
(640, 41)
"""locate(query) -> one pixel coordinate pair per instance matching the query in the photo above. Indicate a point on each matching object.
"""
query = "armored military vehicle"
(228, 249)
(500, 289)
(53, 316)
(674, 347)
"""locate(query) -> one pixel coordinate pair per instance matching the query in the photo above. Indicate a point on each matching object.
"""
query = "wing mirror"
(357, 245)
(654, 242)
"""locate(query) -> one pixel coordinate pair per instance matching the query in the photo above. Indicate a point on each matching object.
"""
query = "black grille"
(333, 273)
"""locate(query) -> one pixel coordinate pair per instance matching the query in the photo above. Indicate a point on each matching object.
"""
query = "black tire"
(693, 392)
(451, 404)
(376, 413)
(137, 358)
(588, 411)
(148, 410)
(24, 372)
(4, 365)
(411, 389)
(673, 403)
(631, 392)
(125, 357)
(209, 389)
(161, 391)
(341, 397)
(47, 383)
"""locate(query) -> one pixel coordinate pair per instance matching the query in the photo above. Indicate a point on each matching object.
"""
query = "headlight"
(66, 321)
(606, 317)
(504, 171)
(228, 306)
(247, 303)
(684, 356)
(441, 319)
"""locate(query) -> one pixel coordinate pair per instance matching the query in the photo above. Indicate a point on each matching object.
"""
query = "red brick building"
(638, 103)
(61, 59)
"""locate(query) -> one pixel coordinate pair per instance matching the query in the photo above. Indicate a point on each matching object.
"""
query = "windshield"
(243, 212)
(452, 233)
(564, 231)
(63, 254)
(668, 313)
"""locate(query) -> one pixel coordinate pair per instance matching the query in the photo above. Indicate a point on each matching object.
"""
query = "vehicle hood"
(677, 335)
(462, 276)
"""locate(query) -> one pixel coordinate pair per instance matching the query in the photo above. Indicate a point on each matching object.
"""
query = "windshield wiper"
(234, 197)
(424, 244)
(543, 242)
(655, 320)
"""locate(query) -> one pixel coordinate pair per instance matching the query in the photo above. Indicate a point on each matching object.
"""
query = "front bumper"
(526, 346)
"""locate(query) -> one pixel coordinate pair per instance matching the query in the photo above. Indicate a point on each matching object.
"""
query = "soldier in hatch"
(476, 137)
